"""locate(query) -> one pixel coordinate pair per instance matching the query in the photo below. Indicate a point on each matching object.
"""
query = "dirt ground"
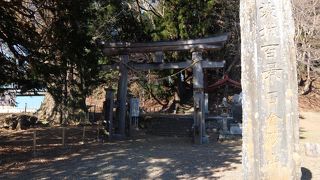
(310, 133)
(145, 157)
(141, 158)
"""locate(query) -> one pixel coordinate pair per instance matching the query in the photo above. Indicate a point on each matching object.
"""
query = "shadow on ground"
(306, 174)
(143, 158)
(302, 131)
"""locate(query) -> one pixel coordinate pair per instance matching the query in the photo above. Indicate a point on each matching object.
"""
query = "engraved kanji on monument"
(270, 117)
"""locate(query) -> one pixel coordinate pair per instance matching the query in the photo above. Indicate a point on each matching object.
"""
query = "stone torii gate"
(195, 46)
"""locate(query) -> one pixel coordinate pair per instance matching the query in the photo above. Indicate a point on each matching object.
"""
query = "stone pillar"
(108, 111)
(198, 96)
(269, 82)
(225, 128)
(122, 95)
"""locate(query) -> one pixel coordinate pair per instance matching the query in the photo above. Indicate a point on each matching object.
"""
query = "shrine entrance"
(197, 63)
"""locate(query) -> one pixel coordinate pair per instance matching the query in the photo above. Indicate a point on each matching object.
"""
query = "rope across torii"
(195, 46)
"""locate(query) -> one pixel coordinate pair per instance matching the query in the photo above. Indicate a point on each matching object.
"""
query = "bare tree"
(307, 19)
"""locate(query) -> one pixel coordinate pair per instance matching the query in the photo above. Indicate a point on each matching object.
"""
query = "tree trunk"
(49, 110)
(55, 113)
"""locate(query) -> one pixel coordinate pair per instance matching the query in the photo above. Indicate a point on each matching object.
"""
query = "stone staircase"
(180, 126)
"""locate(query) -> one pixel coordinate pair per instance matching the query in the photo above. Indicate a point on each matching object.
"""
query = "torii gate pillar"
(269, 83)
(198, 97)
(122, 95)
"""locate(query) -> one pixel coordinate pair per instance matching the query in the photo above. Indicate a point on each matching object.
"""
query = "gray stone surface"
(122, 94)
(236, 129)
(198, 98)
(269, 83)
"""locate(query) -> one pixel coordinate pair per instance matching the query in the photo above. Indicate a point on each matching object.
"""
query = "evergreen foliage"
(48, 43)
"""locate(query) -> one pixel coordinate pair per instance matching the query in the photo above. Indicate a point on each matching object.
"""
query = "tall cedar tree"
(48, 42)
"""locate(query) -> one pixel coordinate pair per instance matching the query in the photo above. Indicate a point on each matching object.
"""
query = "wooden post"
(88, 116)
(122, 94)
(269, 83)
(108, 116)
(198, 95)
(63, 135)
(83, 134)
(98, 129)
(34, 142)
(94, 113)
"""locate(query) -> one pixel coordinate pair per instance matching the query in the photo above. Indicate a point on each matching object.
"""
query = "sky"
(33, 102)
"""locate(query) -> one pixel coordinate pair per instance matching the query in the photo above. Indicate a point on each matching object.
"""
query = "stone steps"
(169, 126)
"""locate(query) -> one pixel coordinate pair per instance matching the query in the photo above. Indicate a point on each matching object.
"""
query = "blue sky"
(32, 101)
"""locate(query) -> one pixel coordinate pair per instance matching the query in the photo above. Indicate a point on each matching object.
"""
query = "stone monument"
(269, 82)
